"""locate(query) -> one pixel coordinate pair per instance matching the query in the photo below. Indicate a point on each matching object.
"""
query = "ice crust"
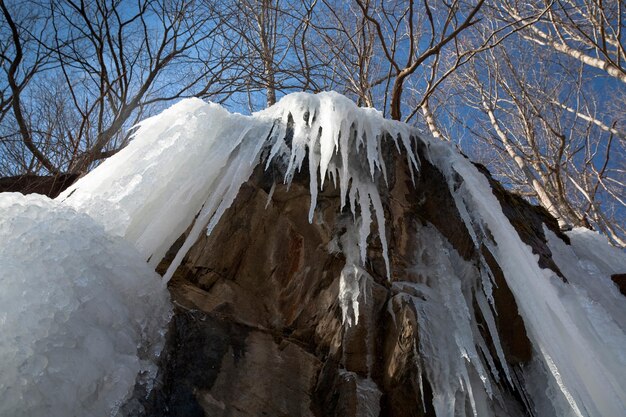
(185, 167)
(81, 312)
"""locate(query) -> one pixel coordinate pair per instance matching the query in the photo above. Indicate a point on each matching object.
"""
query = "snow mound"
(82, 313)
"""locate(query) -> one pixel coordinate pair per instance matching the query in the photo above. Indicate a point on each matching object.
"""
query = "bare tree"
(348, 41)
(115, 62)
(379, 49)
(534, 89)
(589, 31)
(275, 48)
(552, 145)
(21, 59)
(133, 58)
(411, 37)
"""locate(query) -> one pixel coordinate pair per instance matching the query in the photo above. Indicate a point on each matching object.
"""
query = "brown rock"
(258, 330)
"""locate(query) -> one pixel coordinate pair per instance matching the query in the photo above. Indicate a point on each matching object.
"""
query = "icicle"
(269, 195)
(493, 332)
(577, 341)
(380, 220)
(449, 339)
(187, 165)
(333, 139)
(349, 295)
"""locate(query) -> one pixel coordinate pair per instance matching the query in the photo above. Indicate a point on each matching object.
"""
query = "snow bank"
(82, 314)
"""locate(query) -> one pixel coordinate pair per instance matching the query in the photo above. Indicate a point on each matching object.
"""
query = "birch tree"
(553, 143)
(588, 31)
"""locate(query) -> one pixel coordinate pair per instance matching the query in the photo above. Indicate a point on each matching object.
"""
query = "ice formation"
(184, 169)
(580, 342)
(190, 161)
(453, 352)
(82, 314)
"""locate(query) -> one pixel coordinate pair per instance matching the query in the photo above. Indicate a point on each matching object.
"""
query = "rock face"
(468, 301)
(259, 328)
(258, 325)
(620, 280)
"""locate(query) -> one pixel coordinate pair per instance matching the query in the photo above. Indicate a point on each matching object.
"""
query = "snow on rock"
(82, 314)
(588, 263)
(594, 249)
